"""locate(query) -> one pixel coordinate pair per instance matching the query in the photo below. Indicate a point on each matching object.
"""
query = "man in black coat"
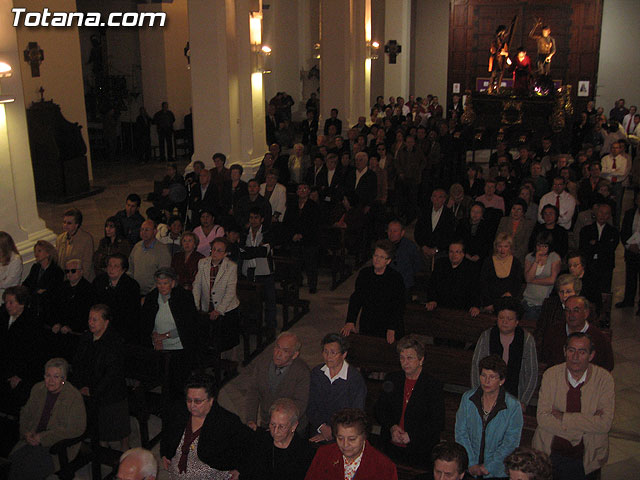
(598, 243)
(251, 201)
(302, 224)
(432, 238)
(122, 294)
(631, 226)
(202, 196)
(362, 181)
(333, 120)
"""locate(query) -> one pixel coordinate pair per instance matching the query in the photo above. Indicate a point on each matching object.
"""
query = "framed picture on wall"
(583, 88)
(456, 88)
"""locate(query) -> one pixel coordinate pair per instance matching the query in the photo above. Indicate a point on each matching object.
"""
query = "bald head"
(137, 464)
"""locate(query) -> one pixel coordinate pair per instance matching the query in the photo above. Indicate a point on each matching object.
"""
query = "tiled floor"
(328, 310)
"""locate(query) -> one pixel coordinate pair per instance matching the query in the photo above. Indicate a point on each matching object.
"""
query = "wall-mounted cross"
(393, 49)
(34, 55)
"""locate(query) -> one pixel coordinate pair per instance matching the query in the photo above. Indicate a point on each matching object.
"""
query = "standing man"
(75, 243)
(631, 241)
(563, 200)
(616, 167)
(436, 226)
(575, 412)
(598, 243)
(148, 256)
(163, 120)
(546, 47)
(284, 375)
(407, 260)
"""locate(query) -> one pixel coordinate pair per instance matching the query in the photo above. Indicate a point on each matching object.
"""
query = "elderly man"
(450, 461)
(407, 260)
(435, 227)
(122, 294)
(553, 307)
(147, 256)
(74, 242)
(576, 314)
(283, 375)
(75, 298)
(203, 195)
(362, 181)
(137, 464)
(575, 412)
(563, 200)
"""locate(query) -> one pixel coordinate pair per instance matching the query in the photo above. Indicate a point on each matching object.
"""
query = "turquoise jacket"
(501, 435)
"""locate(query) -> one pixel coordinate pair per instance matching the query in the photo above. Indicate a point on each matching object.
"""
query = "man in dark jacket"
(598, 243)
(631, 242)
(435, 226)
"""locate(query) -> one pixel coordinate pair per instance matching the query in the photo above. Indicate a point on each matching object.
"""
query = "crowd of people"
(169, 283)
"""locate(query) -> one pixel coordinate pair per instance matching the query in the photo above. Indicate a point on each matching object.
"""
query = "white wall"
(432, 49)
(619, 62)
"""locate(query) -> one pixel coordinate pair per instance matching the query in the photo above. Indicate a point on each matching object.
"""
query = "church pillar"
(18, 209)
(344, 70)
(165, 76)
(397, 26)
(226, 81)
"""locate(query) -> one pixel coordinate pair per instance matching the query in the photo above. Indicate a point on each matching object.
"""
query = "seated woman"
(517, 348)
(410, 408)
(519, 227)
(489, 421)
(541, 268)
(501, 274)
(21, 347)
(265, 167)
(379, 294)
(98, 371)
(528, 464)
(207, 231)
(10, 263)
(473, 185)
(114, 241)
(280, 453)
(526, 194)
(351, 456)
(333, 386)
(276, 193)
(203, 441)
(185, 263)
(214, 292)
(552, 312)
(54, 412)
(44, 280)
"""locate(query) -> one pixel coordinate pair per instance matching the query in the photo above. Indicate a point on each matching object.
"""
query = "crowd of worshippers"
(167, 282)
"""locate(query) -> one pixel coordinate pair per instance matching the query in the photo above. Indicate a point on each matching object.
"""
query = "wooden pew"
(332, 242)
(251, 296)
(288, 274)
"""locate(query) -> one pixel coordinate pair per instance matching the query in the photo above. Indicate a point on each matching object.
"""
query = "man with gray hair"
(147, 256)
(362, 181)
(282, 375)
(137, 464)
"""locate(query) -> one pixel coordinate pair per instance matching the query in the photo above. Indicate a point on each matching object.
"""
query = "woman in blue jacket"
(489, 421)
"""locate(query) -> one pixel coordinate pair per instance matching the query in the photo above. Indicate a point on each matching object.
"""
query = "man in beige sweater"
(575, 412)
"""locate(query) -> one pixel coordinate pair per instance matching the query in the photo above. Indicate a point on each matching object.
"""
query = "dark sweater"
(555, 338)
(271, 463)
(381, 300)
(492, 287)
(453, 287)
(326, 398)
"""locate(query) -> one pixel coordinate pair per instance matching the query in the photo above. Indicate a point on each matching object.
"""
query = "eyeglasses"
(71, 270)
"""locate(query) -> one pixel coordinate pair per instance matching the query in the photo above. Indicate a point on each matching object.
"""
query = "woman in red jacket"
(352, 456)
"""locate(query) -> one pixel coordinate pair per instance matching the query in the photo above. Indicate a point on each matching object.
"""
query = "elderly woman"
(489, 421)
(10, 263)
(233, 190)
(379, 294)
(351, 456)
(552, 312)
(185, 263)
(214, 292)
(334, 385)
(21, 347)
(207, 231)
(54, 412)
(515, 346)
(98, 371)
(114, 241)
(44, 280)
(280, 453)
(298, 164)
(169, 322)
(528, 464)
(541, 269)
(276, 193)
(410, 408)
(476, 235)
(501, 274)
(203, 441)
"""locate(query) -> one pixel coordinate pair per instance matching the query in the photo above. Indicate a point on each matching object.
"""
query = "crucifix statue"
(393, 49)
(34, 55)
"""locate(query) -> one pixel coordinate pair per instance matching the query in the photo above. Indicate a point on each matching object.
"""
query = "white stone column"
(343, 78)
(227, 96)
(18, 209)
(397, 26)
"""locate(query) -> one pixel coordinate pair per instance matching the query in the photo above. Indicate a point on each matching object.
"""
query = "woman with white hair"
(298, 164)
(54, 412)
